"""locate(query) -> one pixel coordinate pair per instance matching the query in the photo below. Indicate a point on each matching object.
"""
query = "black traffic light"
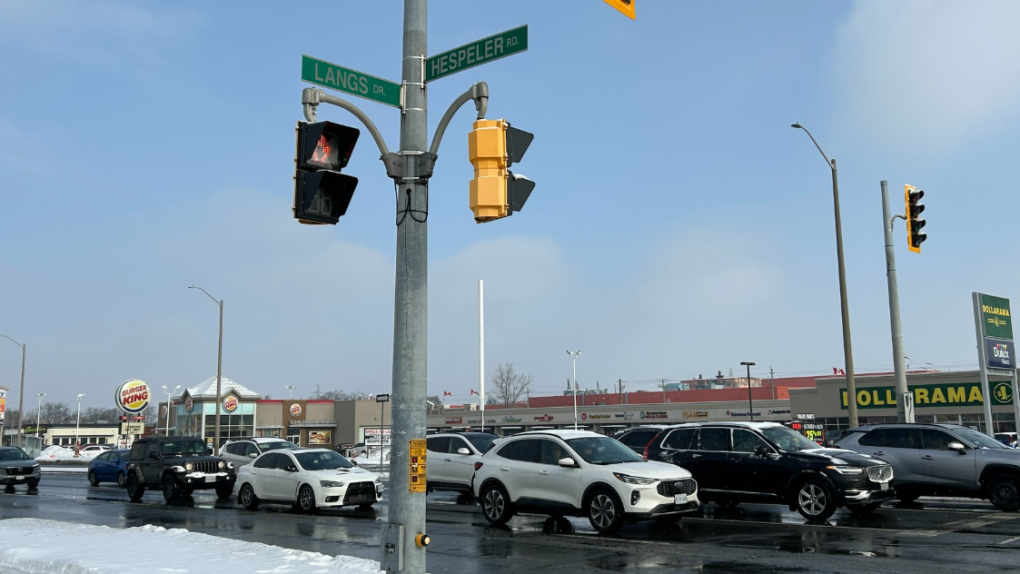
(914, 222)
(321, 193)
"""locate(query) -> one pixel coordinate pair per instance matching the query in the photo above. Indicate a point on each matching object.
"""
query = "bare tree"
(508, 385)
(338, 396)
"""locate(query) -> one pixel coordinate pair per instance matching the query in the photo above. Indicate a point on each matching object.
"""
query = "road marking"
(1008, 540)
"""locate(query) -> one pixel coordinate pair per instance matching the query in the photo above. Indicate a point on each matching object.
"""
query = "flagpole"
(481, 351)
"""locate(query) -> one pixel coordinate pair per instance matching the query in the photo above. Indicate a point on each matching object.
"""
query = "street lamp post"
(77, 424)
(38, 413)
(21, 393)
(848, 355)
(750, 401)
(219, 367)
(382, 400)
(290, 391)
(169, 401)
(573, 359)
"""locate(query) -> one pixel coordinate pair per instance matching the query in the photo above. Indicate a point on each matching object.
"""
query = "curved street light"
(38, 413)
(219, 368)
(848, 354)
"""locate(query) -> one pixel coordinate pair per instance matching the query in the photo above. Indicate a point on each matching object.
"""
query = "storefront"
(953, 397)
(194, 411)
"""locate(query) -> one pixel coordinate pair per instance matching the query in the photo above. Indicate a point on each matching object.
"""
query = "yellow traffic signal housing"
(495, 191)
(913, 196)
(624, 6)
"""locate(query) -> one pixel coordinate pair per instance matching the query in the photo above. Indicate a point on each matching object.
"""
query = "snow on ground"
(61, 469)
(60, 453)
(33, 546)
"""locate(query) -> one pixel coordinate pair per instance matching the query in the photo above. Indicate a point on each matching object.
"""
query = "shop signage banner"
(320, 437)
(939, 395)
(3, 404)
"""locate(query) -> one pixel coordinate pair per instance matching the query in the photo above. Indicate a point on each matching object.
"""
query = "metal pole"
(21, 395)
(382, 425)
(481, 350)
(38, 413)
(1016, 404)
(903, 413)
(986, 386)
(848, 354)
(410, 317)
(219, 375)
(750, 401)
(77, 424)
(573, 359)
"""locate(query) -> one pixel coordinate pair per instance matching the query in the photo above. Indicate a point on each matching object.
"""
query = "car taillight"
(650, 444)
(478, 465)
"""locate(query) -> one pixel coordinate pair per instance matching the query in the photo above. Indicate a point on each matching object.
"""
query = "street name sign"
(323, 73)
(477, 53)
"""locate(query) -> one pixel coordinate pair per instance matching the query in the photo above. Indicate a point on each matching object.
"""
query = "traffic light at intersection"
(321, 192)
(495, 191)
(626, 7)
(914, 222)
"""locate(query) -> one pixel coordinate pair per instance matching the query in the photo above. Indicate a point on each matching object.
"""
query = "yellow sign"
(626, 7)
(416, 466)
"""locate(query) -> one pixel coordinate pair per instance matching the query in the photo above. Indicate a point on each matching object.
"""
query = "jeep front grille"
(882, 473)
(207, 466)
(672, 487)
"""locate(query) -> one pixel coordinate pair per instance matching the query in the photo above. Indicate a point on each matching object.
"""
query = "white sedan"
(307, 478)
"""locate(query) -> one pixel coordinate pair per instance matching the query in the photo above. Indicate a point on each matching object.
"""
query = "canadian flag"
(836, 371)
(447, 394)
(474, 392)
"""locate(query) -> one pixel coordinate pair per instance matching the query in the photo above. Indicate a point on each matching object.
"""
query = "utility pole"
(904, 398)
(772, 382)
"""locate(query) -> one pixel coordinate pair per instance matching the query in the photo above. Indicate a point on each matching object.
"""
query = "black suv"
(637, 438)
(177, 465)
(772, 464)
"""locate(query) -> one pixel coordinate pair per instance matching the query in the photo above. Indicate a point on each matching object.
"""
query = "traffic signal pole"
(904, 398)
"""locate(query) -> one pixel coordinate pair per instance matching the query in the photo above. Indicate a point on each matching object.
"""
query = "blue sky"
(679, 225)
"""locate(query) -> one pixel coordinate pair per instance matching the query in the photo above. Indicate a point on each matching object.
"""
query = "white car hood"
(359, 473)
(649, 469)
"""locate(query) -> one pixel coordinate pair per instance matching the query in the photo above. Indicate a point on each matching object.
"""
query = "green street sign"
(477, 53)
(995, 317)
(315, 71)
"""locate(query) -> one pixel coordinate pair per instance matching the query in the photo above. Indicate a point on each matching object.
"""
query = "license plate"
(885, 486)
(19, 478)
(680, 499)
(210, 479)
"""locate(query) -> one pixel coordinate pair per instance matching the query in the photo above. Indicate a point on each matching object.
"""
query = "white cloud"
(927, 74)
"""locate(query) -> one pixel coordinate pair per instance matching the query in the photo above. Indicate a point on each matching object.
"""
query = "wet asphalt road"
(933, 537)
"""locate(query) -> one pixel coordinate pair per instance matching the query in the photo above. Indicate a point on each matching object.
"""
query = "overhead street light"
(169, 401)
(219, 369)
(848, 355)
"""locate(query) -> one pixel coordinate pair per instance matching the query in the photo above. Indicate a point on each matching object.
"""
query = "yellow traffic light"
(487, 152)
(624, 6)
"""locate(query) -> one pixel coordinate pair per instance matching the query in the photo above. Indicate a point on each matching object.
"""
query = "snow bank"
(56, 453)
(33, 546)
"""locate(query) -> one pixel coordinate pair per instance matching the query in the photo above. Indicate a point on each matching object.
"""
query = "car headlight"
(222, 465)
(189, 467)
(633, 479)
(330, 484)
(844, 469)
(230, 465)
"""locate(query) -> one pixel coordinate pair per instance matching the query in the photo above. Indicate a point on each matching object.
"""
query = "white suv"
(580, 473)
(244, 451)
(452, 458)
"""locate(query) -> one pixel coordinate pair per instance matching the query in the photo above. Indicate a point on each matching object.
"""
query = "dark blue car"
(109, 467)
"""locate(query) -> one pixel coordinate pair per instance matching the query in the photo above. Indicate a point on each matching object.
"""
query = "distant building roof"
(207, 389)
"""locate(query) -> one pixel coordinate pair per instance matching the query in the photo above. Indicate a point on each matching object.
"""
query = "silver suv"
(941, 460)
(244, 451)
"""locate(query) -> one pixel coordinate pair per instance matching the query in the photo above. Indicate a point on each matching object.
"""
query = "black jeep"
(177, 465)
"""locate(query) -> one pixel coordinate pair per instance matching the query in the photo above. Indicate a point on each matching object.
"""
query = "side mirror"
(290, 468)
(761, 450)
(463, 450)
(354, 462)
(567, 462)
(253, 455)
(957, 446)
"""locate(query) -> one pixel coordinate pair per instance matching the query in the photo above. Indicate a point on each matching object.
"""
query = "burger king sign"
(230, 404)
(132, 396)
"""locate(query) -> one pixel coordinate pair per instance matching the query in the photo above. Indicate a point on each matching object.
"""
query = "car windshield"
(13, 454)
(277, 445)
(481, 442)
(183, 448)
(323, 460)
(980, 439)
(603, 450)
(788, 439)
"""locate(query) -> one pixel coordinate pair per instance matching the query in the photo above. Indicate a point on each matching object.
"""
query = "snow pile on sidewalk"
(33, 546)
(57, 453)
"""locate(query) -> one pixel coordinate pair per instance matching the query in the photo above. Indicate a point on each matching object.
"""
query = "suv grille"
(360, 492)
(882, 473)
(19, 470)
(207, 466)
(673, 487)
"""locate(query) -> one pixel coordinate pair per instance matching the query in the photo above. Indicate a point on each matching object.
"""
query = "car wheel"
(306, 499)
(92, 479)
(814, 500)
(496, 505)
(134, 489)
(224, 490)
(605, 511)
(863, 509)
(1004, 492)
(170, 489)
(121, 479)
(246, 497)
